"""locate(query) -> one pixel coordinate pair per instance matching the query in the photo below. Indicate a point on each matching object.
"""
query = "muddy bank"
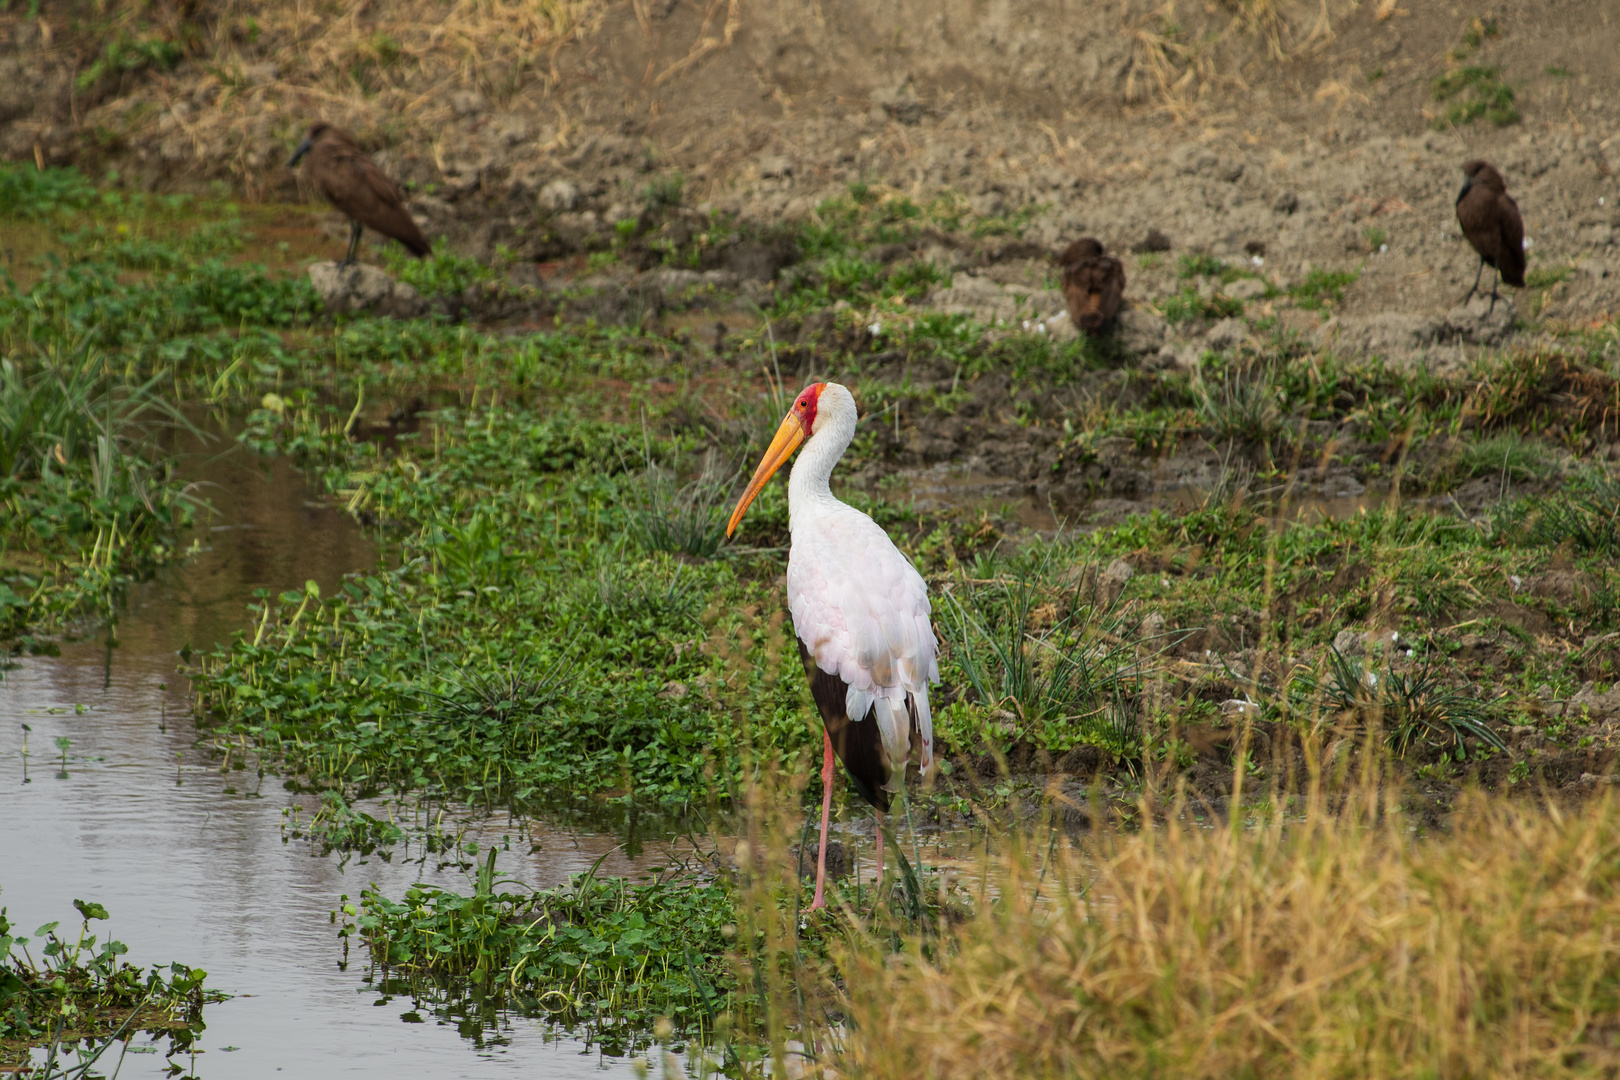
(1320, 139)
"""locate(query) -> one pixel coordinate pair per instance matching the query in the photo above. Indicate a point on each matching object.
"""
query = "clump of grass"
(444, 273)
(127, 53)
(1507, 454)
(1340, 944)
(1241, 405)
(1408, 706)
(665, 192)
(1199, 265)
(1066, 661)
(1188, 304)
(392, 76)
(1323, 288)
(1473, 91)
(1586, 514)
(337, 826)
(82, 992)
(1545, 277)
(689, 519)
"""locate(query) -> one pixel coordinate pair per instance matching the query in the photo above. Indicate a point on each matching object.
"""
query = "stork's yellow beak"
(788, 437)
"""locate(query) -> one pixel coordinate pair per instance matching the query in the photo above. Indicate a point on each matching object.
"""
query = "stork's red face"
(797, 426)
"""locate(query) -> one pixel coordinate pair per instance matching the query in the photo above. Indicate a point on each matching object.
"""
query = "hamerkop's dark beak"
(303, 148)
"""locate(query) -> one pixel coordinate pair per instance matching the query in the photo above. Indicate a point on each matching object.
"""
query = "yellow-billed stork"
(860, 611)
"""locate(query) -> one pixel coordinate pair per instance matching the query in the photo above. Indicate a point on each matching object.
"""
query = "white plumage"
(858, 605)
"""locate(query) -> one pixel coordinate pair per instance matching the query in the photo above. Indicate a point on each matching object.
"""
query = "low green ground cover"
(557, 625)
(78, 997)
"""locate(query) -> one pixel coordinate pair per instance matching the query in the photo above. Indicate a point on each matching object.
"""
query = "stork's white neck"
(808, 484)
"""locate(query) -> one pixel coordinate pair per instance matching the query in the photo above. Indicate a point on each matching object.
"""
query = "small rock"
(1479, 323)
(360, 287)
(1598, 705)
(465, 103)
(759, 260)
(1349, 642)
(1226, 335)
(1239, 707)
(674, 690)
(1060, 327)
(1170, 357)
(1111, 582)
(979, 297)
(1191, 159)
(1247, 289)
(559, 196)
(1231, 172)
(1155, 240)
(775, 166)
(1153, 625)
(837, 860)
(1286, 202)
(1140, 332)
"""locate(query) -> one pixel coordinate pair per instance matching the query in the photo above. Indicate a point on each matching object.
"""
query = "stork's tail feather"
(894, 725)
(923, 719)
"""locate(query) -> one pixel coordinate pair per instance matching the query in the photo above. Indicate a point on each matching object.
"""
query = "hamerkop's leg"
(354, 242)
(1477, 275)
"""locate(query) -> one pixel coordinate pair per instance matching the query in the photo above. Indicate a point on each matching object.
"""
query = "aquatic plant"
(603, 956)
(82, 992)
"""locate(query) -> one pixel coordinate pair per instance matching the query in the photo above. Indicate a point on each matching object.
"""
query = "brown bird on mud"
(1490, 219)
(352, 182)
(1093, 284)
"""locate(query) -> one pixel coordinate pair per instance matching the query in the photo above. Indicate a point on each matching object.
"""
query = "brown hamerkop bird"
(861, 613)
(1093, 284)
(352, 182)
(1490, 219)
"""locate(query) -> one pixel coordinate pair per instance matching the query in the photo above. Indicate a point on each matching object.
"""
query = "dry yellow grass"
(1341, 945)
(1174, 68)
(387, 69)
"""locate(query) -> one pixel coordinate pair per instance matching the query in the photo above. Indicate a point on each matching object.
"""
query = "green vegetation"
(1409, 705)
(1189, 304)
(441, 273)
(1323, 288)
(556, 624)
(605, 956)
(79, 993)
(1064, 666)
(1471, 91)
(99, 355)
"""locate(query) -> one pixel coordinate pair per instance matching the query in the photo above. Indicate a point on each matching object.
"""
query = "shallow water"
(190, 863)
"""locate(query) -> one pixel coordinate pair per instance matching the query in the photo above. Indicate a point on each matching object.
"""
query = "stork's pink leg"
(826, 813)
(879, 832)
